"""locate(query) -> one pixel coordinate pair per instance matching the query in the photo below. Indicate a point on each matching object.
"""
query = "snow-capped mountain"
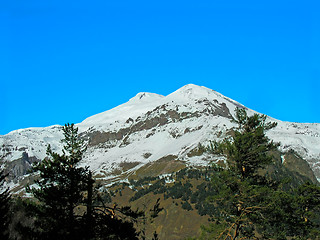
(150, 127)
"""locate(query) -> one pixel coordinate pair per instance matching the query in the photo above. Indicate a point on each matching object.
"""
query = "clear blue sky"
(63, 61)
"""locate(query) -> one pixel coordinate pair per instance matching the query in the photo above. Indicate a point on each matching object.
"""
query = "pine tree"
(4, 208)
(241, 191)
(293, 214)
(66, 206)
(248, 149)
(61, 185)
(250, 206)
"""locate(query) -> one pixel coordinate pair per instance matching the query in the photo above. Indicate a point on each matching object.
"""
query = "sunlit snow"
(172, 138)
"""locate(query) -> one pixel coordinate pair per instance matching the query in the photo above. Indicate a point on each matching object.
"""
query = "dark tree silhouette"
(4, 208)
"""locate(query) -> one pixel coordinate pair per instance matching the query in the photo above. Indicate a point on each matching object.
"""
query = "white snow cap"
(193, 91)
(146, 97)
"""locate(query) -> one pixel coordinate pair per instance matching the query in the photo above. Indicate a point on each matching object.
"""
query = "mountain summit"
(150, 128)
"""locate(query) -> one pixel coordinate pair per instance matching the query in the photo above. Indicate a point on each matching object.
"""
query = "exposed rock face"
(20, 167)
(158, 117)
(292, 161)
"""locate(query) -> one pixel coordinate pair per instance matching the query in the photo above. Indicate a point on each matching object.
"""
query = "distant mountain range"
(151, 127)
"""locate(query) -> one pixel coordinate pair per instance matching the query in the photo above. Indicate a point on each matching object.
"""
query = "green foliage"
(68, 206)
(212, 231)
(247, 151)
(186, 205)
(21, 225)
(60, 189)
(240, 204)
(293, 213)
(179, 190)
(114, 223)
(240, 191)
(142, 181)
(249, 205)
(4, 208)
(156, 209)
(157, 187)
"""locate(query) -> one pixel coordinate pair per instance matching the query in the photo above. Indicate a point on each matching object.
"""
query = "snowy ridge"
(304, 138)
(150, 126)
(136, 106)
(144, 102)
(33, 141)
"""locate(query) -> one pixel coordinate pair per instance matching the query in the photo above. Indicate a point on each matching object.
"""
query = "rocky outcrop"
(19, 167)
(159, 116)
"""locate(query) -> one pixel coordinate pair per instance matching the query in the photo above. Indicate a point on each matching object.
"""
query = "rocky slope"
(150, 127)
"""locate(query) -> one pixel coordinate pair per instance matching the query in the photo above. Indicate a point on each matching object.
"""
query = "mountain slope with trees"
(189, 149)
(253, 196)
(240, 198)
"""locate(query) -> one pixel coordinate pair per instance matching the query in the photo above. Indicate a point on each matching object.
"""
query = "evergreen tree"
(60, 189)
(250, 206)
(241, 192)
(247, 150)
(68, 205)
(293, 214)
(4, 208)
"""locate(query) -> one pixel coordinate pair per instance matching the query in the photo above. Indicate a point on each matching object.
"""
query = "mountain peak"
(192, 91)
(146, 97)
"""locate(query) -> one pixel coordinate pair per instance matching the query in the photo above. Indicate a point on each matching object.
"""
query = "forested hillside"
(249, 194)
